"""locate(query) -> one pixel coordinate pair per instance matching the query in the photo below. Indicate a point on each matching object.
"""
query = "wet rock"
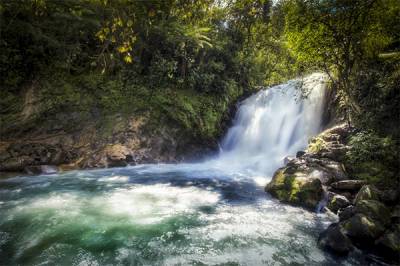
(362, 228)
(41, 169)
(367, 192)
(338, 202)
(373, 209)
(297, 189)
(389, 243)
(33, 169)
(118, 155)
(19, 156)
(334, 239)
(346, 213)
(348, 185)
(300, 153)
(16, 163)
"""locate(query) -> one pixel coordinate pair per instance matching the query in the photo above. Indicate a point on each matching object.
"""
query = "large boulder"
(298, 188)
(367, 192)
(368, 222)
(363, 229)
(335, 240)
(374, 210)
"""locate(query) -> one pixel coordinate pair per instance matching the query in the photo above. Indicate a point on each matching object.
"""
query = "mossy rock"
(297, 189)
(373, 209)
(362, 227)
(338, 202)
(367, 192)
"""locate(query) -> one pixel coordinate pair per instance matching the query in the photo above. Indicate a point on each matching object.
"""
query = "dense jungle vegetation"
(188, 61)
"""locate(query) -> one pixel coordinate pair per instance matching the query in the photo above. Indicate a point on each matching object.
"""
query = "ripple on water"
(167, 223)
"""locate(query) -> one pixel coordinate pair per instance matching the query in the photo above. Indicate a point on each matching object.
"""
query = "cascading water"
(211, 213)
(273, 124)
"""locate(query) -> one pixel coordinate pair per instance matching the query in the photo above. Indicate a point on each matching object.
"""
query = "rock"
(395, 215)
(373, 209)
(335, 169)
(41, 169)
(297, 189)
(300, 153)
(363, 229)
(331, 143)
(346, 213)
(334, 239)
(118, 155)
(338, 202)
(348, 184)
(365, 222)
(367, 192)
(389, 243)
(16, 163)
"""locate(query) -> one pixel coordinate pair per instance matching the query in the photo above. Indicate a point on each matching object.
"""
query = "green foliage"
(378, 96)
(340, 36)
(316, 145)
(373, 158)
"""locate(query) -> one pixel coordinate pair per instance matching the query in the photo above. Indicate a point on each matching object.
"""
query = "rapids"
(210, 213)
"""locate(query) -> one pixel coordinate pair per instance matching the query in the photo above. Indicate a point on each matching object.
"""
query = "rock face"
(127, 141)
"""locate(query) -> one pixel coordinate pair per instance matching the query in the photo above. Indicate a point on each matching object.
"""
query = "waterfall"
(274, 123)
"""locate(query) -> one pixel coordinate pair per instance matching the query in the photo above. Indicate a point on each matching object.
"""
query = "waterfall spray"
(274, 123)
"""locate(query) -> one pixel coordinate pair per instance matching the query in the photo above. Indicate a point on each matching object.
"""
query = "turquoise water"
(154, 215)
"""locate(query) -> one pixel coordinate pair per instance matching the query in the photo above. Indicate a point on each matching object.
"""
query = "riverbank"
(131, 126)
(322, 179)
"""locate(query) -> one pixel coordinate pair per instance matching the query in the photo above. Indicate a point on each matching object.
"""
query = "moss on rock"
(297, 189)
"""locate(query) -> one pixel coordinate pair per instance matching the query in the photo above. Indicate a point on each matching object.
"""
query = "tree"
(338, 36)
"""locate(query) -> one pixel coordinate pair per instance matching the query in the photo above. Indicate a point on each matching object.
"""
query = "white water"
(211, 213)
(272, 124)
